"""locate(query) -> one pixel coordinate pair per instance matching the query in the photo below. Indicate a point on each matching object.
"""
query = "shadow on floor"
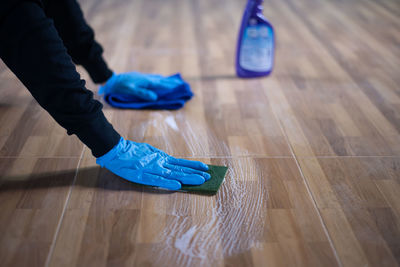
(91, 177)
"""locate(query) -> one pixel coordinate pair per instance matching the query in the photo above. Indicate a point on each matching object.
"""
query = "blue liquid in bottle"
(256, 43)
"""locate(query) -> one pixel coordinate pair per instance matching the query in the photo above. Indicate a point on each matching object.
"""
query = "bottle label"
(256, 50)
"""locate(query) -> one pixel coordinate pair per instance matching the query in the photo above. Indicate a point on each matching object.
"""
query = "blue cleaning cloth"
(171, 99)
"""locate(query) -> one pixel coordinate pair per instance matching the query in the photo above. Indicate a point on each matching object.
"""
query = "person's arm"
(78, 37)
(31, 47)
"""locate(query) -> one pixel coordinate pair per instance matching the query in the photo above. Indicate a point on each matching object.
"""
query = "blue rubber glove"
(143, 86)
(141, 163)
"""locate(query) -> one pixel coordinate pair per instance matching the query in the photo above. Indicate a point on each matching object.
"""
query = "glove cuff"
(104, 89)
(110, 155)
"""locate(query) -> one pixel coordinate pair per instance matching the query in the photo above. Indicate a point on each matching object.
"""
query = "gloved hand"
(143, 86)
(141, 163)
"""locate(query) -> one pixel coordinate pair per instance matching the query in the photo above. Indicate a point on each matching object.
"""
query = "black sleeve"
(31, 48)
(78, 37)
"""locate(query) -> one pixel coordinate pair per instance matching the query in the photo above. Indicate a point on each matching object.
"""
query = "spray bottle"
(256, 43)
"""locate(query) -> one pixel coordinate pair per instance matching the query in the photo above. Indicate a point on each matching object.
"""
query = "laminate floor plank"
(313, 150)
(224, 129)
(332, 119)
(352, 113)
(262, 208)
(360, 208)
(26, 129)
(33, 192)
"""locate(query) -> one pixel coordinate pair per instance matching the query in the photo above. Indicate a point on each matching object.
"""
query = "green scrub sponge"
(211, 186)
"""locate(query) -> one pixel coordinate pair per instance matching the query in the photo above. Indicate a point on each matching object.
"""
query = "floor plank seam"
(53, 243)
(324, 227)
(232, 157)
(39, 157)
(225, 157)
(318, 212)
(335, 157)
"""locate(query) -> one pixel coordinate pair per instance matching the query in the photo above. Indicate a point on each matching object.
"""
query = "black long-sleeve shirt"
(40, 41)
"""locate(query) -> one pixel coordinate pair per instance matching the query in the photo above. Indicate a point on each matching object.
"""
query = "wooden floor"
(313, 150)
